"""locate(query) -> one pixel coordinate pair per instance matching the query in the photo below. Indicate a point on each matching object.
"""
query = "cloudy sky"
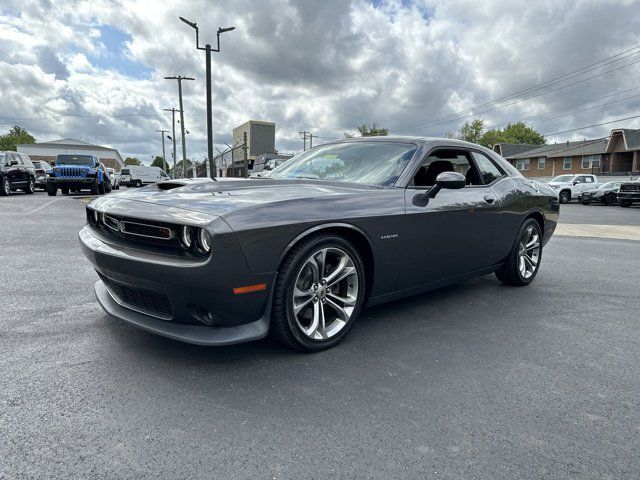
(94, 70)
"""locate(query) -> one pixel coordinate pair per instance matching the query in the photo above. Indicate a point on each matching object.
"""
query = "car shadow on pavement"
(424, 313)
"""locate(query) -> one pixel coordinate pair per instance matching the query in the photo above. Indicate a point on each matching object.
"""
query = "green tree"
(520, 133)
(132, 161)
(159, 162)
(16, 136)
(469, 131)
(372, 130)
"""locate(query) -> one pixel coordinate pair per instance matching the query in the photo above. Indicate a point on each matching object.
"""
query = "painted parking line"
(619, 232)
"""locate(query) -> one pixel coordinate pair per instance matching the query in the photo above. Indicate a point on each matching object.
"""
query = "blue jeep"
(73, 173)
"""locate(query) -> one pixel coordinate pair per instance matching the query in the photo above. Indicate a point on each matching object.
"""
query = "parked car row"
(69, 173)
(586, 189)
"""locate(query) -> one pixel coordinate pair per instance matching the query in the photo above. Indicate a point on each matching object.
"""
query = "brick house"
(48, 151)
(617, 154)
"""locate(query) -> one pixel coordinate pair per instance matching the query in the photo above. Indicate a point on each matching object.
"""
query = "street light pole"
(207, 48)
(180, 78)
(173, 139)
(164, 158)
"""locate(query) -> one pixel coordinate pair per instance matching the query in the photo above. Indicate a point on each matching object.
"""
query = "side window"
(440, 161)
(488, 171)
(18, 158)
(579, 179)
(588, 179)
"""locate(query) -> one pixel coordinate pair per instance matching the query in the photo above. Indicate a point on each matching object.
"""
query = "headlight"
(204, 241)
(185, 237)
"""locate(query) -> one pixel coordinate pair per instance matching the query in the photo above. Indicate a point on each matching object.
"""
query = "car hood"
(224, 196)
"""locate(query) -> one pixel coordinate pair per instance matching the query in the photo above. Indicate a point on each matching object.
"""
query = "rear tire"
(138, 183)
(51, 189)
(327, 276)
(31, 187)
(523, 262)
(565, 196)
(5, 191)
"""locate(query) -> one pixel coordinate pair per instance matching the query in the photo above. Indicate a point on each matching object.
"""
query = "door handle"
(489, 199)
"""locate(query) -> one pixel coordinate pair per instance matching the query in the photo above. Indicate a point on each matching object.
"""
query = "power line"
(577, 104)
(460, 114)
(106, 115)
(590, 126)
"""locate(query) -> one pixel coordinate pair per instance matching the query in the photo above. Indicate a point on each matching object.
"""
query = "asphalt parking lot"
(476, 380)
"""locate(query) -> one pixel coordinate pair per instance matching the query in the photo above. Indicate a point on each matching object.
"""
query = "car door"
(582, 183)
(452, 234)
(18, 171)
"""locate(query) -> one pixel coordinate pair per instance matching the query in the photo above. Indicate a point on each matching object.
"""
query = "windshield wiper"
(308, 177)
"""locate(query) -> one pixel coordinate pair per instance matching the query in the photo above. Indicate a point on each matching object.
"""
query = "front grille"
(145, 230)
(70, 172)
(630, 188)
(146, 301)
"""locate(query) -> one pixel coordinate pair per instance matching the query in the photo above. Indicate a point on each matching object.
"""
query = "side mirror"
(14, 162)
(448, 180)
(575, 182)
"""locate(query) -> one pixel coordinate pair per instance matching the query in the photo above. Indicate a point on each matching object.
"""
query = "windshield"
(124, 171)
(563, 178)
(610, 185)
(369, 163)
(74, 160)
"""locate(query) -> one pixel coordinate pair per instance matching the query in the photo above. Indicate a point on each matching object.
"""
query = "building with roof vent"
(48, 151)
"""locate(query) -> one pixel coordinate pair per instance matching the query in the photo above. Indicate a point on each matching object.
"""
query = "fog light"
(185, 237)
(204, 241)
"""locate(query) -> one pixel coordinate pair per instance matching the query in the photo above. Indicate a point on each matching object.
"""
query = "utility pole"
(164, 158)
(311, 140)
(173, 126)
(207, 48)
(245, 148)
(180, 78)
(304, 135)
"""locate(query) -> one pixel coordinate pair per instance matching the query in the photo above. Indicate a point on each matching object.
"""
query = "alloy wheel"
(529, 252)
(325, 293)
(6, 186)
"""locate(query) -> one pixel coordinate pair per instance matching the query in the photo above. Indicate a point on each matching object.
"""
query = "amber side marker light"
(250, 288)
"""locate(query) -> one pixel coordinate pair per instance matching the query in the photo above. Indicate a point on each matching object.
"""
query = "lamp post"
(179, 78)
(173, 139)
(164, 158)
(207, 48)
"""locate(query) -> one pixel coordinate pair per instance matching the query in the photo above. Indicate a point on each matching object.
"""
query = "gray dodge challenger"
(299, 254)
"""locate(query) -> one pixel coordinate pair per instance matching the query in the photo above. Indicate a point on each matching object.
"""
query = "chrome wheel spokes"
(529, 252)
(325, 293)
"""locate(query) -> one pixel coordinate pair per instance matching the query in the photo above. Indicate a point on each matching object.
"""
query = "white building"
(48, 151)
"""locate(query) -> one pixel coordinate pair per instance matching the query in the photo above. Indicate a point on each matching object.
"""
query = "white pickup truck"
(570, 186)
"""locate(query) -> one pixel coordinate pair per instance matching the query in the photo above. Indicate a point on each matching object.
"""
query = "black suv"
(16, 172)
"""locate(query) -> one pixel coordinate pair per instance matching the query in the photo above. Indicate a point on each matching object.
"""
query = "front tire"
(609, 199)
(522, 264)
(565, 196)
(319, 293)
(5, 191)
(138, 183)
(51, 189)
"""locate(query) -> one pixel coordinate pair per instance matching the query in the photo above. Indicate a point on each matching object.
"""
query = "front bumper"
(71, 180)
(203, 309)
(629, 196)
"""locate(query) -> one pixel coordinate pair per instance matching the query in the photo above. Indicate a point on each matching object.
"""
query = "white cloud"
(320, 66)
